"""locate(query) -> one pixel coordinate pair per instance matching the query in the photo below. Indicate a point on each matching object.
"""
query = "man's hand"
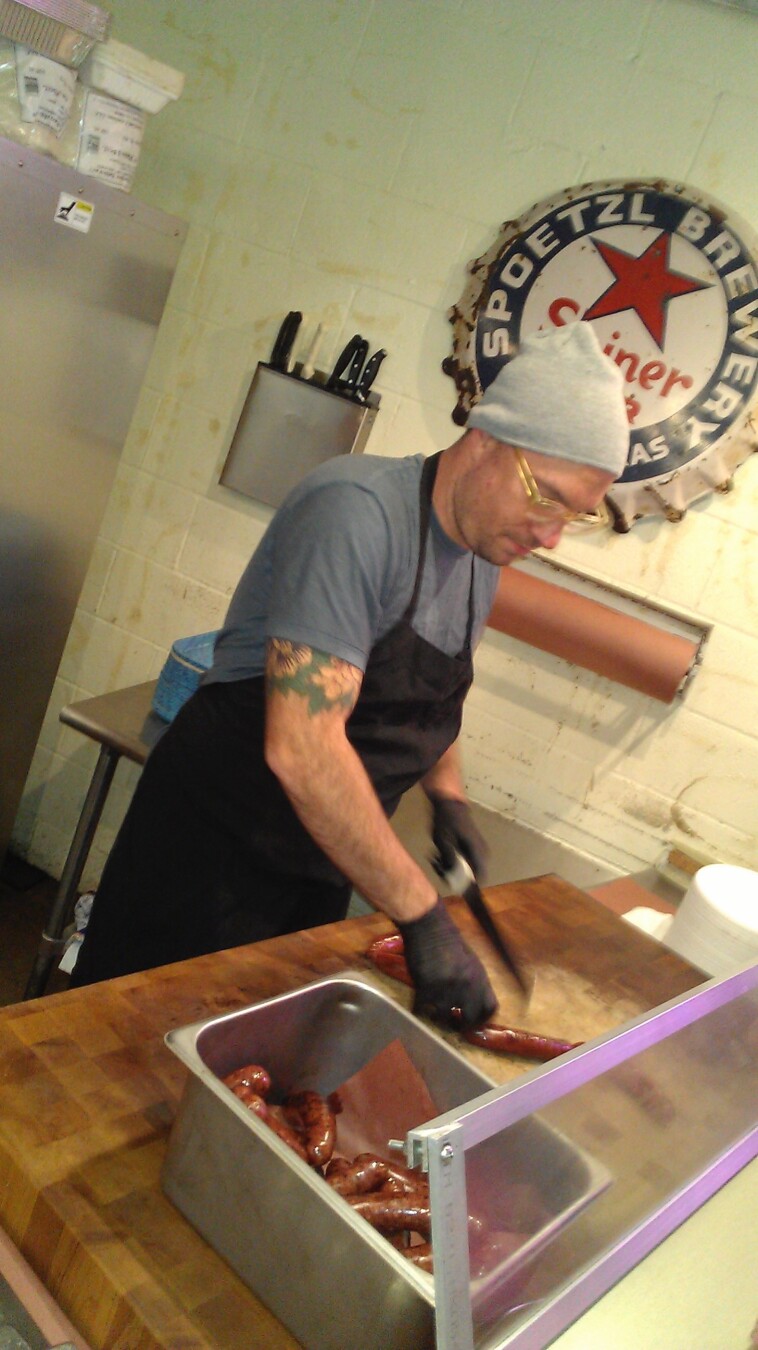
(454, 831)
(445, 972)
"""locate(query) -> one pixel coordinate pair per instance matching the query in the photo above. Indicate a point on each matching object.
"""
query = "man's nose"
(548, 533)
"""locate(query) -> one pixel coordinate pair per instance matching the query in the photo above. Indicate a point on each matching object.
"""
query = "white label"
(73, 212)
(110, 140)
(45, 90)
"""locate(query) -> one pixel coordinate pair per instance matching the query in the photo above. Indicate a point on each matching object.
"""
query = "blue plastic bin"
(182, 672)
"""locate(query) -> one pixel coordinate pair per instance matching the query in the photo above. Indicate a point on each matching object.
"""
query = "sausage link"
(284, 1130)
(250, 1075)
(294, 1119)
(403, 1180)
(418, 1199)
(394, 1213)
(389, 945)
(511, 1041)
(252, 1100)
(366, 1174)
(386, 953)
(319, 1124)
(421, 1255)
(336, 1167)
(398, 1213)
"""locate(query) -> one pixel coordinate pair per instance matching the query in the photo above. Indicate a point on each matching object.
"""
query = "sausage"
(284, 1130)
(252, 1100)
(400, 1213)
(421, 1255)
(511, 1041)
(319, 1124)
(390, 945)
(367, 1173)
(251, 1075)
(336, 1167)
(272, 1115)
(294, 1119)
(386, 953)
(402, 1180)
(394, 1213)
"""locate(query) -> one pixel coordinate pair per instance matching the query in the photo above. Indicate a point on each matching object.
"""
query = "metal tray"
(320, 1268)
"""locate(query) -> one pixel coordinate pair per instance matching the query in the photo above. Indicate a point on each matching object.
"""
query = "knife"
(282, 347)
(461, 881)
(370, 372)
(308, 368)
(344, 361)
(349, 384)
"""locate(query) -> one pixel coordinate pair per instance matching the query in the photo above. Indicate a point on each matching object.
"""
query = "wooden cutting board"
(591, 971)
(88, 1092)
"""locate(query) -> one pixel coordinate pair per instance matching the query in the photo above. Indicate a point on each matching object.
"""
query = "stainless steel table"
(123, 724)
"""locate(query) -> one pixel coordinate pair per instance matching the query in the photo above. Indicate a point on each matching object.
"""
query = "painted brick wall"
(349, 159)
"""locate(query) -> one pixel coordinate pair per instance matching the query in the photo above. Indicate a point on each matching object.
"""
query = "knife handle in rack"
(308, 368)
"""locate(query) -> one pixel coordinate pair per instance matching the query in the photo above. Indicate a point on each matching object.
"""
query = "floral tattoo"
(324, 680)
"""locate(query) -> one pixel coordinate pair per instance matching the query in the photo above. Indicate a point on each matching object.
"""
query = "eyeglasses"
(549, 509)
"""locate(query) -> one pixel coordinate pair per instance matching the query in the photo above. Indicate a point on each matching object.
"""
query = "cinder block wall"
(349, 159)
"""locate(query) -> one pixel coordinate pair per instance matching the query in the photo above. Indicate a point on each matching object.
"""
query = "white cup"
(716, 925)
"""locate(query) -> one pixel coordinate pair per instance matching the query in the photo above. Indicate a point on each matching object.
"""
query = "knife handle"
(308, 368)
(350, 382)
(284, 339)
(459, 877)
(343, 361)
(370, 372)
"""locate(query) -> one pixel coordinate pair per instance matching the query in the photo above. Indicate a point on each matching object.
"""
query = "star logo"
(645, 284)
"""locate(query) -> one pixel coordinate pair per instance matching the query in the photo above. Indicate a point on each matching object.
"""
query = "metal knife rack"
(289, 426)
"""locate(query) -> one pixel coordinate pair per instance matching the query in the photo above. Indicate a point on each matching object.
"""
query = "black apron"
(212, 855)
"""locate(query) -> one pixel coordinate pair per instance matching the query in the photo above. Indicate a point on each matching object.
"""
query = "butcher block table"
(88, 1092)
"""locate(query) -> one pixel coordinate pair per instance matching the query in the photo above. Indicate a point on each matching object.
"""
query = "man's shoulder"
(383, 477)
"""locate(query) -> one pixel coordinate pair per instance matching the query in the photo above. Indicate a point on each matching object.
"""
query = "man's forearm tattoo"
(324, 680)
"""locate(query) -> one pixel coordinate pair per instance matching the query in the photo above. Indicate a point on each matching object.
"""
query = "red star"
(644, 284)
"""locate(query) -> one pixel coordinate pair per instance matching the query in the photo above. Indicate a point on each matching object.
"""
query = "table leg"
(51, 942)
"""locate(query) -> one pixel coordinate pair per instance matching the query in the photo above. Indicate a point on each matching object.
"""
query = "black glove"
(445, 972)
(454, 831)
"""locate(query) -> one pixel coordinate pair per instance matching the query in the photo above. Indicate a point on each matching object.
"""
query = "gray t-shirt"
(336, 566)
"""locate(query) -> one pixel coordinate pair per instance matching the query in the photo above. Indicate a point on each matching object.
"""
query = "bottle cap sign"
(668, 278)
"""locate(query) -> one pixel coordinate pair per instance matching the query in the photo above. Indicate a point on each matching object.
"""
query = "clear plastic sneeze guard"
(545, 1192)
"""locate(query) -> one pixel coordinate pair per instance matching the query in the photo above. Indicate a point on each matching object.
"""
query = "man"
(339, 680)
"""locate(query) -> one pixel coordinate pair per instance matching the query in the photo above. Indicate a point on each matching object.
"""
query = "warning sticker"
(74, 213)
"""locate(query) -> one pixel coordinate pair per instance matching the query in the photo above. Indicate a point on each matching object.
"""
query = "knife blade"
(461, 881)
(282, 347)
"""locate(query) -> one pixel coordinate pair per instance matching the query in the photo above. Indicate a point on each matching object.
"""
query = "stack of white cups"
(716, 925)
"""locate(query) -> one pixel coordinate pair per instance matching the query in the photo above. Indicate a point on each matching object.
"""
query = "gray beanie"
(562, 396)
